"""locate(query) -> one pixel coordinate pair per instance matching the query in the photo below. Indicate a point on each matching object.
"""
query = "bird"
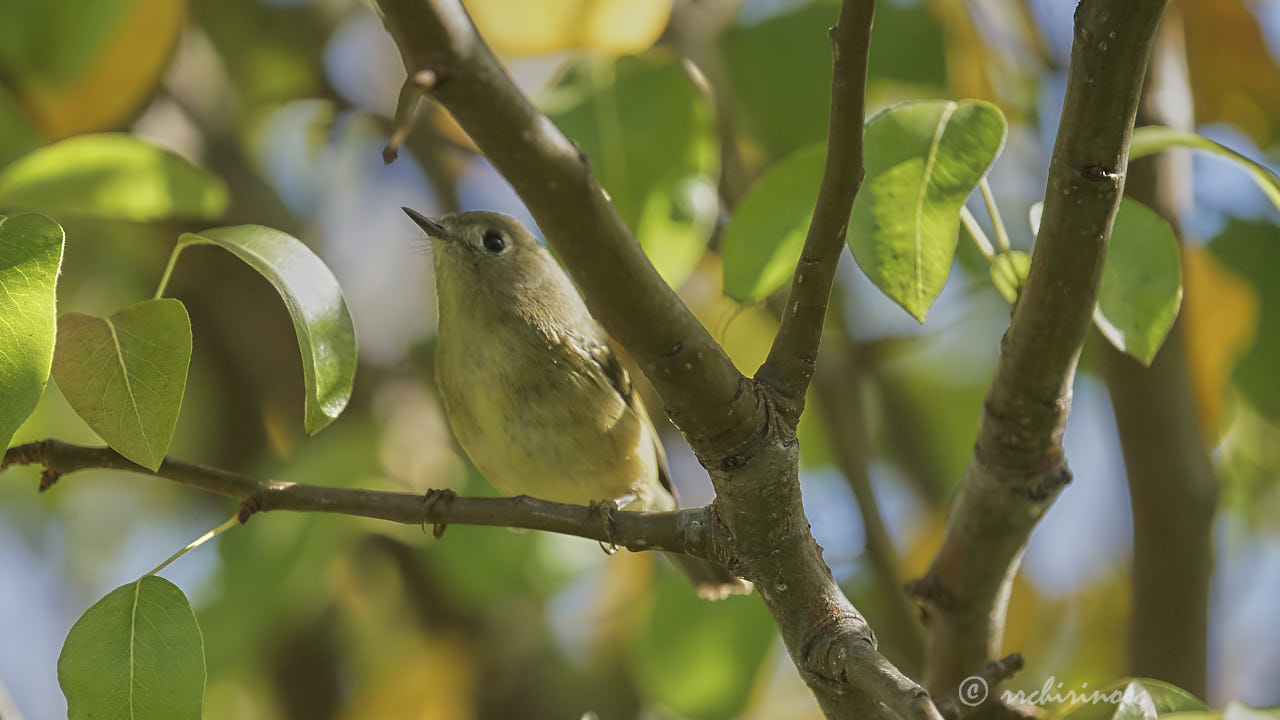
(532, 388)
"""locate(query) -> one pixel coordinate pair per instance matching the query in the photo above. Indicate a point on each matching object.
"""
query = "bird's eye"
(493, 241)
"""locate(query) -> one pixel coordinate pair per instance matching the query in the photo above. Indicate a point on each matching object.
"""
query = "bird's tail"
(711, 581)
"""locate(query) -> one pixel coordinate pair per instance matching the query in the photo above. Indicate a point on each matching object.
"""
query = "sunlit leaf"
(1141, 287)
(113, 176)
(326, 337)
(700, 658)
(1220, 318)
(519, 27)
(765, 236)
(125, 374)
(1155, 138)
(650, 136)
(86, 65)
(30, 257)
(1251, 250)
(922, 160)
(137, 653)
(1009, 273)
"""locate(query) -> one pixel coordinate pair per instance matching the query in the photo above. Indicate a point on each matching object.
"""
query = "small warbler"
(534, 393)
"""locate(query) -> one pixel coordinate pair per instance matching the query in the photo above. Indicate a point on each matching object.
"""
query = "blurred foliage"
(648, 130)
(250, 118)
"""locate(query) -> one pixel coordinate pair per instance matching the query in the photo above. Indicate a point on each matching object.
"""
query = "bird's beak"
(433, 228)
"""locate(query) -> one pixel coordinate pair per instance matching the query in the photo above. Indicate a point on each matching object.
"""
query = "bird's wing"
(607, 360)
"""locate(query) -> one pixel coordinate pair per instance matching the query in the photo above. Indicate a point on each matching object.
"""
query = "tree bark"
(1018, 467)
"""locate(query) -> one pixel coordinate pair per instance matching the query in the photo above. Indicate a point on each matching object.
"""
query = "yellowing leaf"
(115, 80)
(520, 27)
(1234, 78)
(746, 332)
(431, 680)
(1220, 316)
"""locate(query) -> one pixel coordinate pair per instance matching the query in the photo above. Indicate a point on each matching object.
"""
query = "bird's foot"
(429, 501)
(605, 509)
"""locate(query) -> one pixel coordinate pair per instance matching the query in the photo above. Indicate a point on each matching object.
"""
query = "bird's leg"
(605, 508)
(429, 501)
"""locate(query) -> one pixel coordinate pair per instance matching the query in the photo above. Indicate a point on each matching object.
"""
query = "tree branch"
(1018, 468)
(685, 531)
(789, 366)
(733, 424)
(704, 393)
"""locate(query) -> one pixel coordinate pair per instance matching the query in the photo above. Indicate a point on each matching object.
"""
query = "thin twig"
(975, 231)
(685, 531)
(993, 210)
(793, 355)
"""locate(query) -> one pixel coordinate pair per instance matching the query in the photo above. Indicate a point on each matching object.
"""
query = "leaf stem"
(235, 519)
(168, 269)
(1002, 235)
(979, 237)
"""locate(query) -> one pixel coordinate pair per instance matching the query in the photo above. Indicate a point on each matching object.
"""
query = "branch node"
(429, 501)
(48, 478)
(249, 507)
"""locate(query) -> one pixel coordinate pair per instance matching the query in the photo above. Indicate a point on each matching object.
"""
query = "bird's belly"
(561, 437)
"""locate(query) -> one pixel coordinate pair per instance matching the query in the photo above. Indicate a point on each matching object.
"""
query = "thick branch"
(748, 448)
(685, 531)
(703, 392)
(1018, 468)
(1171, 481)
(791, 360)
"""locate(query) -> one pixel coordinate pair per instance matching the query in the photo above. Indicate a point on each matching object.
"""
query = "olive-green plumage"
(533, 391)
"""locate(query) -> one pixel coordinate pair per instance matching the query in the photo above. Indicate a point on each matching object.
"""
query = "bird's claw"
(605, 509)
(429, 501)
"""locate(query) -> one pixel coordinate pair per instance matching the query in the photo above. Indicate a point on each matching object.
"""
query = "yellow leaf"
(116, 81)
(1220, 319)
(431, 679)
(618, 27)
(1233, 77)
(746, 332)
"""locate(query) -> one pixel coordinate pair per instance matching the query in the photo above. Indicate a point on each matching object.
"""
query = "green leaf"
(125, 375)
(30, 257)
(651, 139)
(922, 160)
(1155, 138)
(1170, 698)
(115, 176)
(137, 654)
(766, 234)
(1141, 282)
(1251, 250)
(698, 658)
(1131, 699)
(326, 337)
(1135, 704)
